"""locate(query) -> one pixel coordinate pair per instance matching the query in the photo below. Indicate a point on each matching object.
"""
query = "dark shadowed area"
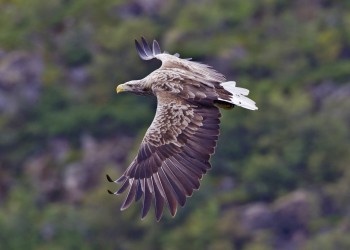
(280, 176)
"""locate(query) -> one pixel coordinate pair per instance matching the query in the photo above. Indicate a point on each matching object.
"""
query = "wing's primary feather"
(145, 51)
(176, 148)
(141, 51)
(156, 48)
(146, 47)
(171, 168)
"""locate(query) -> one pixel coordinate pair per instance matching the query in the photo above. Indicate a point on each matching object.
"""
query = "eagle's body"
(175, 152)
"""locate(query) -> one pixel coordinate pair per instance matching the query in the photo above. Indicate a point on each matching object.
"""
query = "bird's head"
(136, 86)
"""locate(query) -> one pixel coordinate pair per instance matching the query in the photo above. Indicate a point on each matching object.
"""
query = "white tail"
(238, 96)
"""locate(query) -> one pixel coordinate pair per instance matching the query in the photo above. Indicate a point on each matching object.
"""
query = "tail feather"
(238, 96)
(231, 87)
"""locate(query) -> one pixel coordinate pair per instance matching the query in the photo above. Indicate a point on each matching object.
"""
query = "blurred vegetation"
(294, 56)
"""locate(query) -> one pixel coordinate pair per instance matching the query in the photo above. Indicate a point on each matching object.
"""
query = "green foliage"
(55, 227)
(293, 57)
(327, 241)
(58, 117)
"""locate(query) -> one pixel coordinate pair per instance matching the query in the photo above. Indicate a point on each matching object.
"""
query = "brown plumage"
(175, 152)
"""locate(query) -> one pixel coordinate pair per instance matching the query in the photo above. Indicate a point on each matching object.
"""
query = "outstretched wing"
(173, 155)
(147, 52)
(195, 75)
(226, 93)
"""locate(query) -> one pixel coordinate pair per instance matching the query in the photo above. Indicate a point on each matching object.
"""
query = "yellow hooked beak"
(120, 88)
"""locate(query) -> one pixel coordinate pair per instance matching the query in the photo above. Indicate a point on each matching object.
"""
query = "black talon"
(110, 192)
(109, 178)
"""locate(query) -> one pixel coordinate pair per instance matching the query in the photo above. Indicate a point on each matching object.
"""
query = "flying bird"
(175, 151)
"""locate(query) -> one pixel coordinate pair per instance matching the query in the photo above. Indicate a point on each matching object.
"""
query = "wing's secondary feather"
(175, 151)
(175, 62)
(167, 170)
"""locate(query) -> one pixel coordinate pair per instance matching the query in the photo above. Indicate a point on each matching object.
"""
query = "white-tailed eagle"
(175, 152)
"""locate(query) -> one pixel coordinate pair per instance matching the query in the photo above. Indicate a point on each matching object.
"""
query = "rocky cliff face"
(60, 176)
(20, 80)
(280, 176)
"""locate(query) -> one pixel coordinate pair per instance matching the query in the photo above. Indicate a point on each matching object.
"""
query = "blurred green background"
(280, 176)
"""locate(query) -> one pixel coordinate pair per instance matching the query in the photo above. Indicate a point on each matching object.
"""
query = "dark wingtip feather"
(130, 197)
(147, 199)
(140, 51)
(145, 51)
(159, 202)
(169, 193)
(121, 179)
(146, 47)
(110, 192)
(124, 186)
(138, 192)
(156, 48)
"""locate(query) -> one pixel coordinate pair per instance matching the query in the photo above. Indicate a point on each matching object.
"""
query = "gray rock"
(292, 213)
(257, 216)
(20, 80)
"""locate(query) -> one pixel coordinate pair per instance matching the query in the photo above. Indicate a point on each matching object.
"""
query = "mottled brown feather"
(172, 164)
(176, 148)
